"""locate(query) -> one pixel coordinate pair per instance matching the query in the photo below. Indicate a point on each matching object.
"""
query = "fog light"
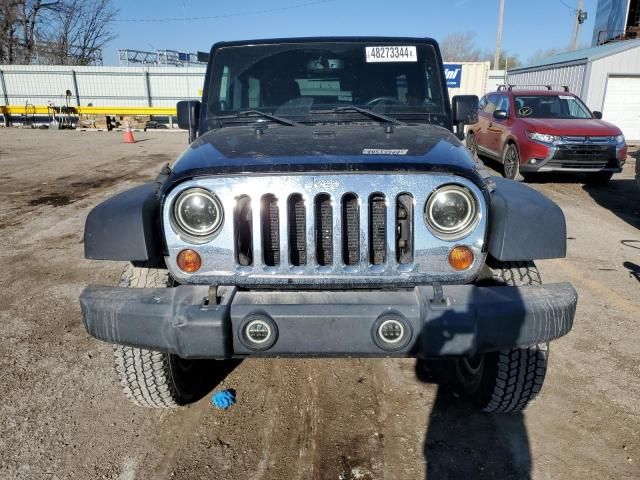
(533, 161)
(461, 258)
(391, 331)
(258, 331)
(189, 261)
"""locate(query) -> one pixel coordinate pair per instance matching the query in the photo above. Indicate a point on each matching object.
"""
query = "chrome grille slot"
(297, 230)
(377, 229)
(350, 229)
(243, 223)
(324, 230)
(404, 229)
(270, 224)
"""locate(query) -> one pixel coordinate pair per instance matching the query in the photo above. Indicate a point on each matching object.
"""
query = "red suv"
(544, 131)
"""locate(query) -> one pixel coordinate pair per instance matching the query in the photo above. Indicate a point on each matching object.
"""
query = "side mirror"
(464, 109)
(188, 115)
(500, 115)
(598, 115)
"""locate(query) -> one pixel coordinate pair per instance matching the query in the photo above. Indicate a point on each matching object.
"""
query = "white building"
(607, 78)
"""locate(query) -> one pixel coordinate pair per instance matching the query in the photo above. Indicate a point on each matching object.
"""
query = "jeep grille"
(354, 229)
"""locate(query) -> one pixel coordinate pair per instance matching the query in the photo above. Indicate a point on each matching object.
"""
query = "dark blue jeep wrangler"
(326, 207)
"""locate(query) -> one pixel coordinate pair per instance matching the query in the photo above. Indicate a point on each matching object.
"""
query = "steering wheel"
(386, 100)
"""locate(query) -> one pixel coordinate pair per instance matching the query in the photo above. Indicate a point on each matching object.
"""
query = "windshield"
(301, 81)
(550, 106)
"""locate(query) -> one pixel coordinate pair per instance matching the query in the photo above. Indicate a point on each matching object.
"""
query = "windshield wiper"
(364, 111)
(269, 116)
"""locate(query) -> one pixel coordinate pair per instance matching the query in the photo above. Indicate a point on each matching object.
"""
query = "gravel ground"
(63, 414)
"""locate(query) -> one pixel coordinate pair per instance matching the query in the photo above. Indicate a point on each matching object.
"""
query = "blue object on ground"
(224, 399)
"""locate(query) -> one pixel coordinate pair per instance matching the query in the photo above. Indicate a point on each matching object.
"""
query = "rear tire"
(505, 381)
(155, 379)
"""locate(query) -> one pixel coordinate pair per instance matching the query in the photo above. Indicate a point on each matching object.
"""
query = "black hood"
(329, 148)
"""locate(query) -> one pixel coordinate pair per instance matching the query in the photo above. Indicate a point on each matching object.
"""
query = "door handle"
(490, 124)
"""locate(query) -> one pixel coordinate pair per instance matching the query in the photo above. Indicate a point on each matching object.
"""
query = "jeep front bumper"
(197, 322)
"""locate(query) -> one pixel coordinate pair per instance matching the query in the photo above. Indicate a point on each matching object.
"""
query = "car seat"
(280, 92)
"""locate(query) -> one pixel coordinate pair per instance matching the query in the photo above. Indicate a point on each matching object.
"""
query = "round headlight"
(451, 211)
(198, 212)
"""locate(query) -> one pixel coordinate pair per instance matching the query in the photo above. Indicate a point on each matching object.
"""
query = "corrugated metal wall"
(100, 86)
(623, 63)
(571, 75)
(142, 86)
(474, 79)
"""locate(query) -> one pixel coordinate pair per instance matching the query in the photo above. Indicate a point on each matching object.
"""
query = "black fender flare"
(126, 227)
(524, 224)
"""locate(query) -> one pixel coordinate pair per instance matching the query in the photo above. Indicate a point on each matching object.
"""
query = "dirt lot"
(63, 414)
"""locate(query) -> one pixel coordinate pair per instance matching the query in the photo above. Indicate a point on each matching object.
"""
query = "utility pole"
(496, 59)
(581, 17)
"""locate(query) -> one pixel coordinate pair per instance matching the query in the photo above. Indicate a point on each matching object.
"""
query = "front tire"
(505, 381)
(472, 143)
(511, 163)
(155, 379)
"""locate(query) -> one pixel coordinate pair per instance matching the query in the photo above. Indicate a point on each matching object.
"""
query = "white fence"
(99, 86)
(140, 86)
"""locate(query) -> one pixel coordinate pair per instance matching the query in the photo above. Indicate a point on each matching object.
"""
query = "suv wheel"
(511, 163)
(505, 381)
(155, 379)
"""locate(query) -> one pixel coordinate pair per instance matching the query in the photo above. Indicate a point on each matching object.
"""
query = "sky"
(529, 26)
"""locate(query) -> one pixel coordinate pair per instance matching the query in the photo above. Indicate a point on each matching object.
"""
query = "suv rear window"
(550, 106)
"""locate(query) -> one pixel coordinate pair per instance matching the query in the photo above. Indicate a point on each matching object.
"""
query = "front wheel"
(472, 143)
(162, 380)
(505, 381)
(511, 163)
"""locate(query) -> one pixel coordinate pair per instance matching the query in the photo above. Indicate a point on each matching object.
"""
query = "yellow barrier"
(116, 111)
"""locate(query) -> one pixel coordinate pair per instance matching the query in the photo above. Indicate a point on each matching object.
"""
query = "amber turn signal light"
(460, 258)
(189, 261)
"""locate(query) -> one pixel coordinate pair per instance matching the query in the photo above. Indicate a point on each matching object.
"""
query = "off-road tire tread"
(519, 378)
(145, 375)
(516, 274)
(521, 371)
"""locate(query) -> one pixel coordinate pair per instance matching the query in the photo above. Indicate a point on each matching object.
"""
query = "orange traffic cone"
(128, 135)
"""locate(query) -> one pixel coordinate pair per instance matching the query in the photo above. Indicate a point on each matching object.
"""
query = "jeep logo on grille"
(327, 184)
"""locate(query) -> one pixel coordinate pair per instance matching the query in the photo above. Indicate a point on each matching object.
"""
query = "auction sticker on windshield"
(391, 54)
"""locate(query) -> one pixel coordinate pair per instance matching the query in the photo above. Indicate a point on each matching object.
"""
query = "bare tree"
(64, 31)
(542, 54)
(83, 29)
(8, 30)
(507, 61)
(29, 17)
(460, 47)
(550, 52)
